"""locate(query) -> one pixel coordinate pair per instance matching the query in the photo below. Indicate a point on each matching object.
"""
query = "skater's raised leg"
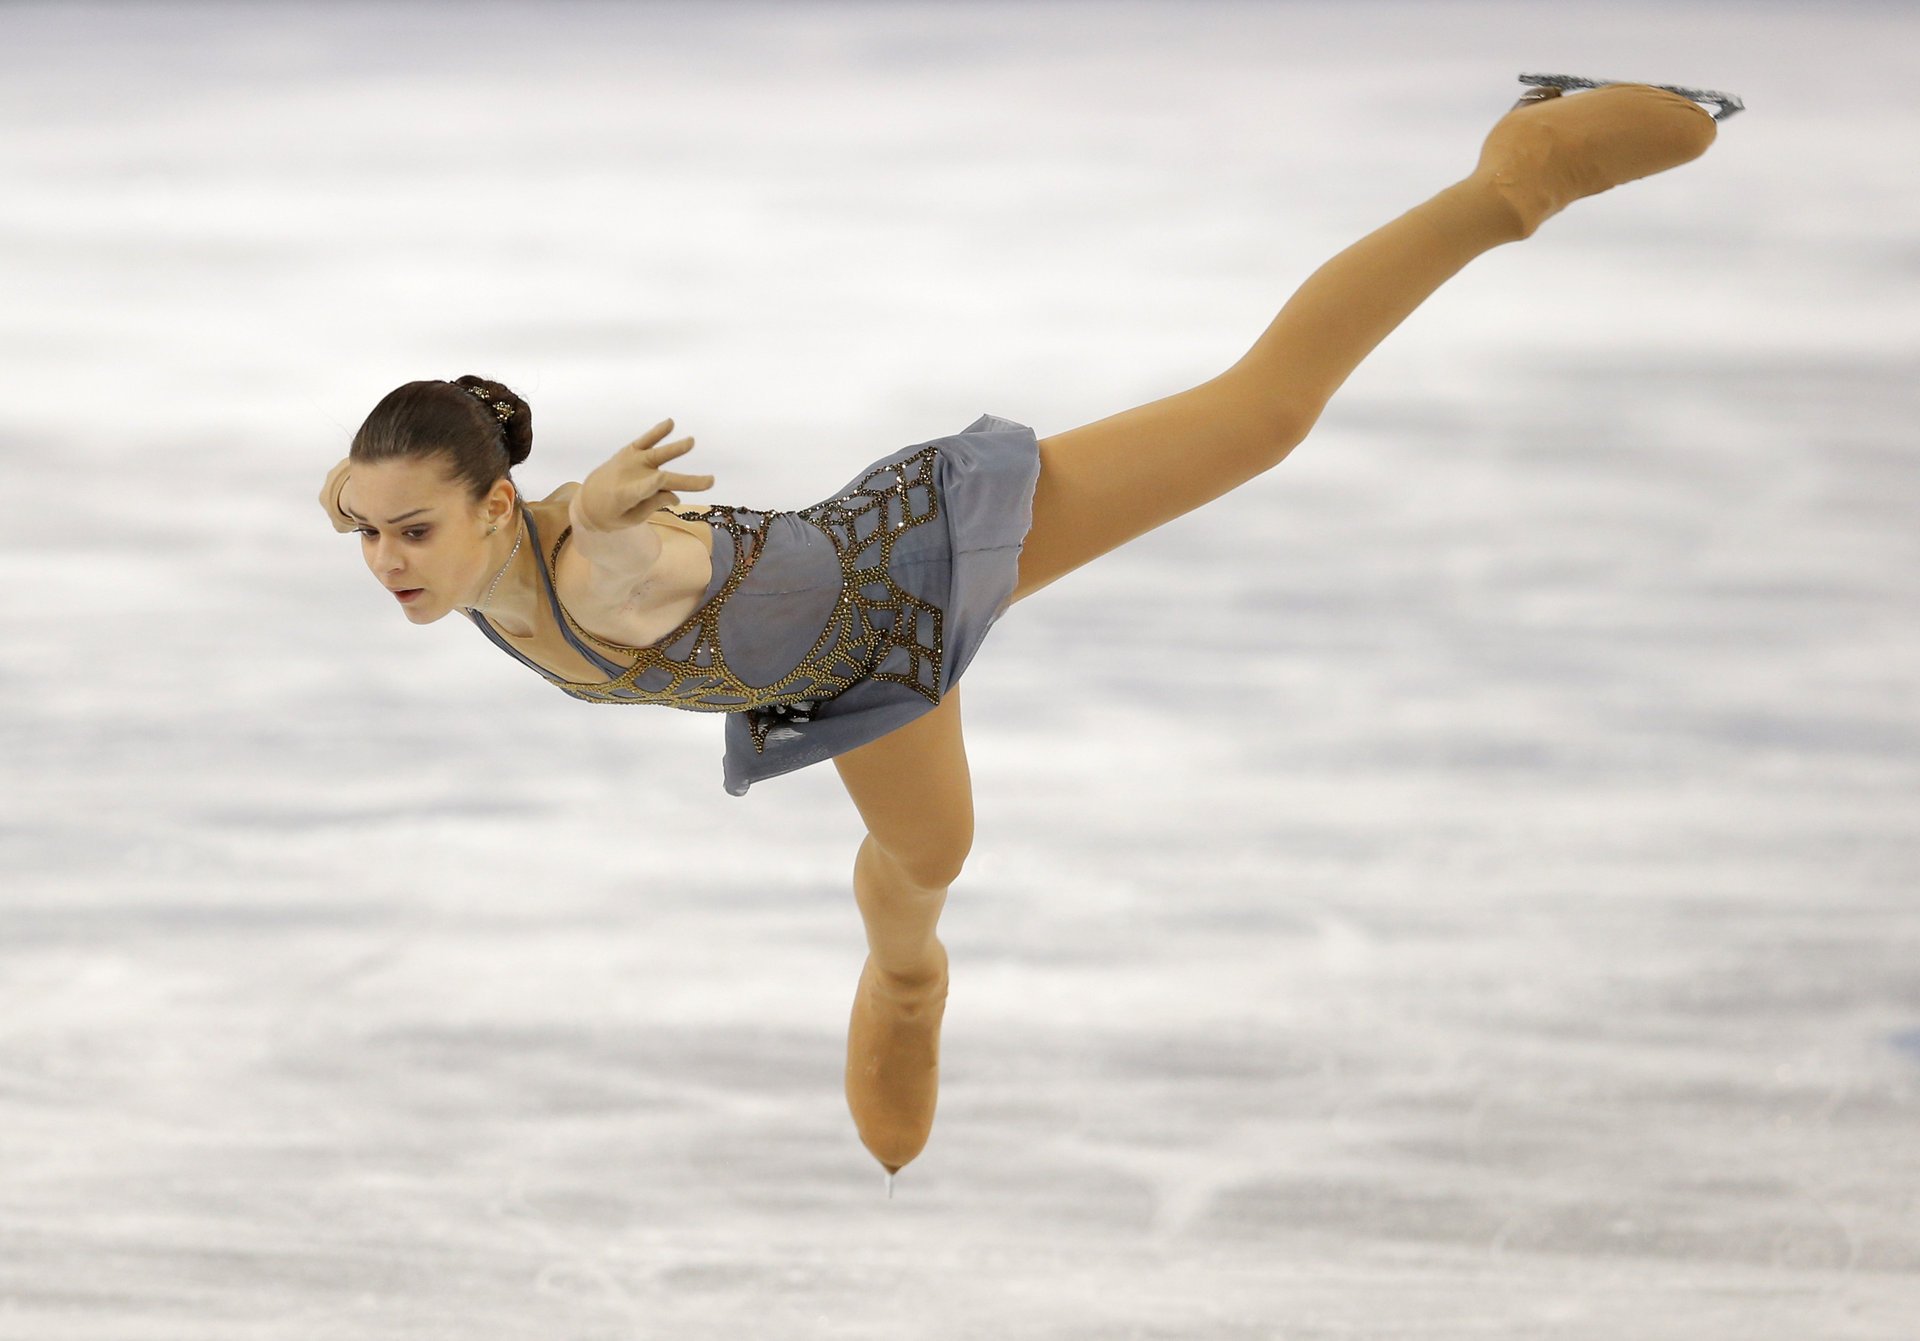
(1107, 482)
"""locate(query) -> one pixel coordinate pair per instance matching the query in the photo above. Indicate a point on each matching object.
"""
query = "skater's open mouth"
(407, 593)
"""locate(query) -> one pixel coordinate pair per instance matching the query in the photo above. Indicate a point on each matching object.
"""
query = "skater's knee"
(1272, 417)
(931, 857)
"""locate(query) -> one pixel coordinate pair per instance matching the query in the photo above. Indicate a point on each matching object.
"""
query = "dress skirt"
(962, 564)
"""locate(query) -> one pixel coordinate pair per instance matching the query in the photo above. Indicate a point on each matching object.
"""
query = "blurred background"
(1460, 884)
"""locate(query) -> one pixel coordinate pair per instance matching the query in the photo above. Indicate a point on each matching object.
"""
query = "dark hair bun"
(480, 427)
(518, 423)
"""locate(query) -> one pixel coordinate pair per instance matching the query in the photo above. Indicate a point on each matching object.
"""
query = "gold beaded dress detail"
(871, 615)
(825, 627)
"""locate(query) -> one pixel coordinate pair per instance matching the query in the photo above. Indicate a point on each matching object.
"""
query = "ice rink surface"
(1460, 885)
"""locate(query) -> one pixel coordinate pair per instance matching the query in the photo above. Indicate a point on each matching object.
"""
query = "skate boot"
(893, 1062)
(1553, 149)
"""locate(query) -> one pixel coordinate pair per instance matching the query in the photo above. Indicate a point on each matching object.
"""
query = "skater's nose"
(385, 556)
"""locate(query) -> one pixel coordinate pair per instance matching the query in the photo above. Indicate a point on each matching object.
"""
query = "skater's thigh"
(915, 793)
(1103, 484)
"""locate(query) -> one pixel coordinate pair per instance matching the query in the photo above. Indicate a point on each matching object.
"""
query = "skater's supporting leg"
(1107, 482)
(913, 790)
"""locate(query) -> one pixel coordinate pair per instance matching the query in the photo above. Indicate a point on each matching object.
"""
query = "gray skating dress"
(827, 627)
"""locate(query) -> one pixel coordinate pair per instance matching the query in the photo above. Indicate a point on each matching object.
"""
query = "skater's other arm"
(330, 496)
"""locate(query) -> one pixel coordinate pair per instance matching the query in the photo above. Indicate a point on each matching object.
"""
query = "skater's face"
(423, 536)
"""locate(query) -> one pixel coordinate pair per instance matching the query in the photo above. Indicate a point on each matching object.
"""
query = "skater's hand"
(631, 485)
(330, 496)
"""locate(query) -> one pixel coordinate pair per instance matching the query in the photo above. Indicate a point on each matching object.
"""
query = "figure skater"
(841, 630)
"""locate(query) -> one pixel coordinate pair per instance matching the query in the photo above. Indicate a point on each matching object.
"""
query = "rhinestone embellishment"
(502, 410)
(872, 618)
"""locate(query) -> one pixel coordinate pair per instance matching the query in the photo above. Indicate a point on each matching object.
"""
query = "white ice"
(1460, 885)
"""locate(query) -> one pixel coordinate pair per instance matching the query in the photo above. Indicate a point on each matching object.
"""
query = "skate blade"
(1724, 104)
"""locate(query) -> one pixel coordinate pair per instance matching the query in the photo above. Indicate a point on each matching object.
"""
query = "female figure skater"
(841, 630)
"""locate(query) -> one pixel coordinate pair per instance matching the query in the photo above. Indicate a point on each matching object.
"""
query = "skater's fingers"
(651, 436)
(671, 480)
(645, 465)
(666, 451)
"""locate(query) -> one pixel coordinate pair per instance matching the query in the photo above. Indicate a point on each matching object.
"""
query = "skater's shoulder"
(553, 515)
(563, 493)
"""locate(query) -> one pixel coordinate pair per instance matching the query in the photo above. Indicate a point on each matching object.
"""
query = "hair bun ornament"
(501, 409)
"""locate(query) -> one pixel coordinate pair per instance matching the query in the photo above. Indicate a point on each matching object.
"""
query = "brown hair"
(438, 418)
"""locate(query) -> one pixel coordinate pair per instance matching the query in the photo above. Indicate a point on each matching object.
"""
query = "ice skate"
(893, 1062)
(1553, 148)
(1724, 104)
